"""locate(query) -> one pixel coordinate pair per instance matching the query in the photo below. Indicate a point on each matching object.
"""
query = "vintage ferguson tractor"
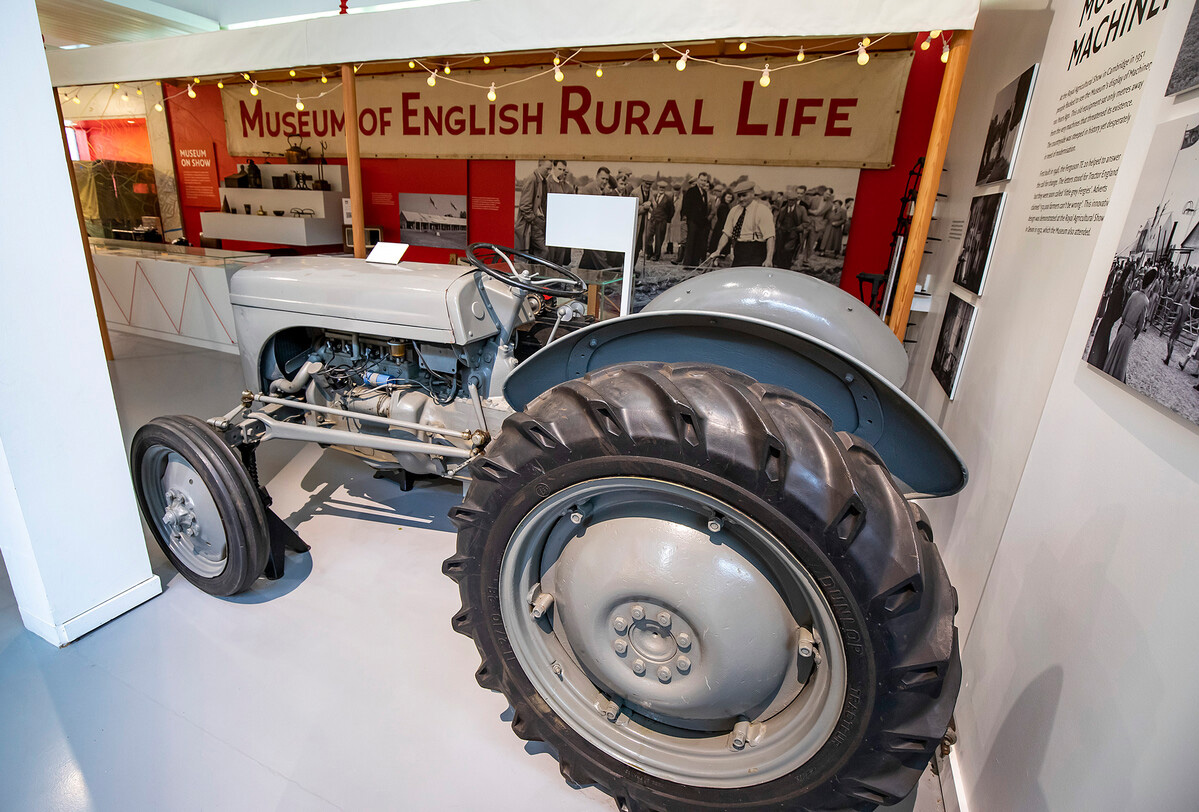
(681, 554)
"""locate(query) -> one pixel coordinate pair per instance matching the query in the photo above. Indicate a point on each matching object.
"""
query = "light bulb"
(254, 89)
(246, 76)
(936, 32)
(599, 72)
(324, 79)
(681, 64)
(76, 100)
(863, 57)
(158, 107)
(656, 56)
(741, 47)
(116, 85)
(865, 42)
(559, 75)
(447, 67)
(432, 80)
(291, 72)
(299, 104)
(139, 91)
(191, 94)
(765, 80)
(945, 52)
(486, 59)
(491, 92)
(799, 56)
(196, 80)
(356, 67)
(411, 63)
(220, 85)
(124, 97)
(924, 45)
(557, 61)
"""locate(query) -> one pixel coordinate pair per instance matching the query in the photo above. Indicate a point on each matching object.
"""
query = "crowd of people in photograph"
(1162, 295)
(695, 221)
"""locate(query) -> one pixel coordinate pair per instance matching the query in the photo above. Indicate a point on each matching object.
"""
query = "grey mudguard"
(858, 399)
(796, 301)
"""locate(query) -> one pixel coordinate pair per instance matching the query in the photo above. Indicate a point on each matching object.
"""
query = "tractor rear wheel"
(704, 597)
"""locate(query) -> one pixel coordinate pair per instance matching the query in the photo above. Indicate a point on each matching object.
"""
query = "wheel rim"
(184, 513)
(666, 627)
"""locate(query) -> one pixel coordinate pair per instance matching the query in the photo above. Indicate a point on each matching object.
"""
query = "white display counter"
(172, 292)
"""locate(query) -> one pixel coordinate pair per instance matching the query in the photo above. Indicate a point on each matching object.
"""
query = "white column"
(69, 529)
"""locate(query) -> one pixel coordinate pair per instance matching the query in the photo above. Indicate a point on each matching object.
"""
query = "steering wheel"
(565, 283)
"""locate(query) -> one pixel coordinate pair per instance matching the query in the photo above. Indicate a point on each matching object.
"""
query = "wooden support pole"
(926, 196)
(349, 95)
(87, 246)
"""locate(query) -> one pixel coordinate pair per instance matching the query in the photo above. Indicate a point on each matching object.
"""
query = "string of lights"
(442, 69)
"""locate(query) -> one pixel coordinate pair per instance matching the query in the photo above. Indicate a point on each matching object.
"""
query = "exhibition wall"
(69, 529)
(1071, 547)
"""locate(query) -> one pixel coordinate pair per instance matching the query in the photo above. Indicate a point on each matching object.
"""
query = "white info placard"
(598, 223)
(387, 253)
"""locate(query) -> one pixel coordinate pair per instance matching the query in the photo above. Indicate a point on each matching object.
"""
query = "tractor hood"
(433, 302)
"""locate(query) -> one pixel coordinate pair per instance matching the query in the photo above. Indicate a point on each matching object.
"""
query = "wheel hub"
(682, 622)
(667, 627)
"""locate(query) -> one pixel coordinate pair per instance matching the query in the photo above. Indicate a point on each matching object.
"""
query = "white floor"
(340, 686)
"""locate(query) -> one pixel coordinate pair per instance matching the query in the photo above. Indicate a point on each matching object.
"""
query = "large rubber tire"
(775, 457)
(221, 502)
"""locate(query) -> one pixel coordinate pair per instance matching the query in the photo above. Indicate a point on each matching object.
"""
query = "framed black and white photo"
(1145, 334)
(434, 220)
(1185, 75)
(978, 241)
(1007, 124)
(951, 345)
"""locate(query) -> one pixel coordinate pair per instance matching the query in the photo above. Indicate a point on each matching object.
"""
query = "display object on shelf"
(681, 553)
(321, 209)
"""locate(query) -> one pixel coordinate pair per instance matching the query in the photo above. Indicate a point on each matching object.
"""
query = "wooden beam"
(926, 195)
(87, 246)
(349, 95)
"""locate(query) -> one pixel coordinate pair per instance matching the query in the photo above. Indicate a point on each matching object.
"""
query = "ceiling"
(99, 22)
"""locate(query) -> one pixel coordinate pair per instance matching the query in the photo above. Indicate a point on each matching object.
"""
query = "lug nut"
(638, 612)
(683, 640)
(556, 668)
(620, 646)
(664, 674)
(638, 667)
(683, 664)
(576, 517)
(714, 525)
(664, 619)
(620, 624)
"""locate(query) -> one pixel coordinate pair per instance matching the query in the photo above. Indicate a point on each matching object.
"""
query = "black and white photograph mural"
(1145, 334)
(951, 345)
(1185, 75)
(693, 218)
(435, 220)
(978, 241)
(1007, 124)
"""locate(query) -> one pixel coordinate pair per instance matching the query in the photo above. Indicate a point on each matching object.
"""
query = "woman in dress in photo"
(1113, 306)
(1132, 321)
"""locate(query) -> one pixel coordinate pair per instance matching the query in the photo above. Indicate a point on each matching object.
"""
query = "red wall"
(117, 139)
(876, 206)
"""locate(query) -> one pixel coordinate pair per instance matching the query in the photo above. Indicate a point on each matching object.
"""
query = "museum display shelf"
(305, 216)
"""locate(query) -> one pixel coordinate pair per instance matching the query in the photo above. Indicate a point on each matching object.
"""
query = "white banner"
(829, 113)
